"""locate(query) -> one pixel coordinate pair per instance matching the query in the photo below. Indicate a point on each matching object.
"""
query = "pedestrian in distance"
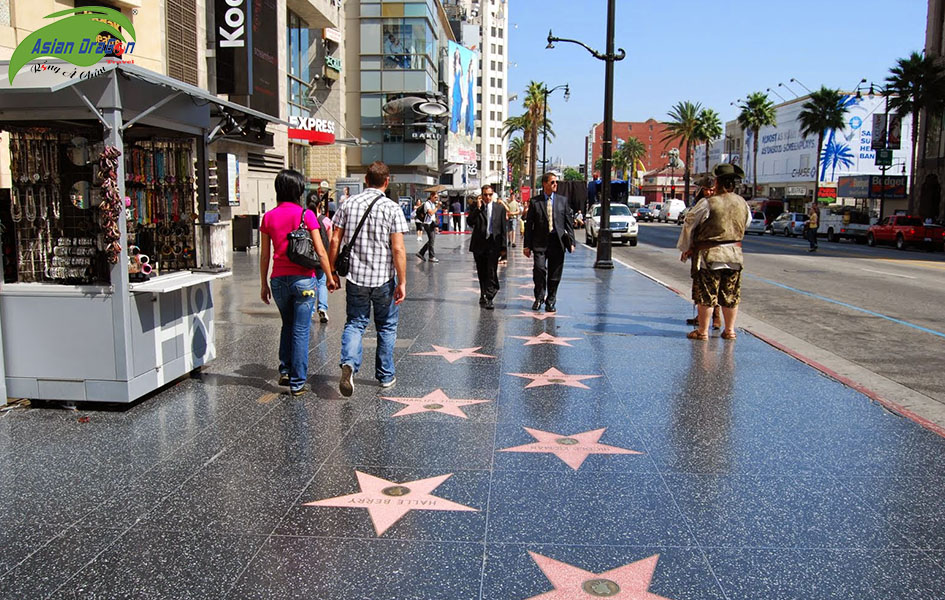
(549, 232)
(489, 222)
(514, 209)
(429, 226)
(317, 206)
(292, 286)
(457, 212)
(712, 237)
(419, 216)
(377, 278)
(810, 228)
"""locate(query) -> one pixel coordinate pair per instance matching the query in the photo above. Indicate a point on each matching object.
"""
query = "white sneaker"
(322, 316)
(387, 384)
(346, 384)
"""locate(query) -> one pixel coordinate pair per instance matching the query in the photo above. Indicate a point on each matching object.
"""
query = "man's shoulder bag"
(301, 250)
(343, 260)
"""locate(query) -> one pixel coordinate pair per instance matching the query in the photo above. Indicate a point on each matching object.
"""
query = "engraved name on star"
(546, 338)
(454, 354)
(435, 401)
(554, 377)
(630, 581)
(572, 449)
(388, 501)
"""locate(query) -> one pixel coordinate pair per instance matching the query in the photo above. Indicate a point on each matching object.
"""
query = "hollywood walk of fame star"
(524, 297)
(630, 581)
(555, 377)
(435, 401)
(546, 338)
(388, 501)
(471, 289)
(540, 316)
(572, 449)
(526, 286)
(453, 354)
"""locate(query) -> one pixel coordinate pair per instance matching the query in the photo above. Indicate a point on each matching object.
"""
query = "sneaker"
(346, 384)
(322, 316)
(387, 384)
(434, 259)
(299, 391)
(420, 256)
(283, 379)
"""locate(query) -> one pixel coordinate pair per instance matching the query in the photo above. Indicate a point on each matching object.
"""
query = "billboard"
(785, 155)
(463, 65)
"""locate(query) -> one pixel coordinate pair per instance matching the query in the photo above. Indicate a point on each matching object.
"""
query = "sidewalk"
(614, 458)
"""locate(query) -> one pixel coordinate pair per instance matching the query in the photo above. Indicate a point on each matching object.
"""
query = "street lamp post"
(604, 259)
(884, 90)
(544, 118)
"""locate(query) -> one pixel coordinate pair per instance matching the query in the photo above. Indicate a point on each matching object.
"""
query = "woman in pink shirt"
(292, 285)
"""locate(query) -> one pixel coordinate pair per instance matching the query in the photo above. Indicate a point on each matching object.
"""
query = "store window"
(302, 52)
(407, 44)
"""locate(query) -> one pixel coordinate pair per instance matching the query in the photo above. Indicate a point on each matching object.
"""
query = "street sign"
(884, 157)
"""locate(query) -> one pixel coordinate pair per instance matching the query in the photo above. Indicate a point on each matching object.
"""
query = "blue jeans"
(359, 302)
(321, 282)
(295, 297)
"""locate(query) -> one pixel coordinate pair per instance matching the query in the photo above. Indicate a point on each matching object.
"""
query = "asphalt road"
(880, 308)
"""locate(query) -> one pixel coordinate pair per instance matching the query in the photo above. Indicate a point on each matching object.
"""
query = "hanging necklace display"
(56, 199)
(30, 205)
(112, 206)
(43, 204)
(16, 205)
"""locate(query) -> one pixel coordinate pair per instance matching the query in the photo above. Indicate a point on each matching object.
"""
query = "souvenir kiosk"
(109, 240)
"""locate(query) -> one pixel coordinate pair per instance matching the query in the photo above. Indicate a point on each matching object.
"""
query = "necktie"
(489, 220)
(551, 216)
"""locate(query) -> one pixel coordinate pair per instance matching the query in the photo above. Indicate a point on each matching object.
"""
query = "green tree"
(757, 111)
(632, 151)
(824, 110)
(914, 84)
(710, 128)
(684, 126)
(522, 145)
(517, 155)
(534, 104)
(572, 174)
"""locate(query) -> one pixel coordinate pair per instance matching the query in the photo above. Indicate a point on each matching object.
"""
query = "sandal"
(695, 335)
(728, 335)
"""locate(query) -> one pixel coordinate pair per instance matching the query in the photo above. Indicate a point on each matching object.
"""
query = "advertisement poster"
(461, 75)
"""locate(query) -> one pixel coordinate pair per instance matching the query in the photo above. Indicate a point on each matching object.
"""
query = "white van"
(670, 210)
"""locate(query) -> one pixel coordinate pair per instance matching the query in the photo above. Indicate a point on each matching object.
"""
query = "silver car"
(789, 223)
(759, 224)
(623, 226)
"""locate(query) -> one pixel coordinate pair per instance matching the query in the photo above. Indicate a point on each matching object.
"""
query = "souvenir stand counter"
(107, 228)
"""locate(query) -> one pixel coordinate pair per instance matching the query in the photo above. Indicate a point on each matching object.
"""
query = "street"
(877, 307)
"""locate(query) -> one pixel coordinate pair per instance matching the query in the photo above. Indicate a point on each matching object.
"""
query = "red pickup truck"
(903, 231)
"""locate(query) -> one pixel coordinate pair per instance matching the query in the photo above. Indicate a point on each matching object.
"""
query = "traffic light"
(672, 191)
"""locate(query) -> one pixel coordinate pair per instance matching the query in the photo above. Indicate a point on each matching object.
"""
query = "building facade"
(650, 132)
(931, 163)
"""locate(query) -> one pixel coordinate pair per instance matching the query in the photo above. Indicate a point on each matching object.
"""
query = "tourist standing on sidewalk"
(813, 222)
(419, 215)
(377, 277)
(549, 231)
(318, 207)
(292, 286)
(706, 185)
(429, 226)
(489, 221)
(515, 213)
(457, 209)
(712, 237)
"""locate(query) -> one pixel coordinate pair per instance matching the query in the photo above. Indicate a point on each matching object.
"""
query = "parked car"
(905, 231)
(643, 214)
(623, 226)
(655, 208)
(670, 210)
(789, 223)
(759, 224)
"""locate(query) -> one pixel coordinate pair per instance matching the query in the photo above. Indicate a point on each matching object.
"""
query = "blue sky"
(708, 52)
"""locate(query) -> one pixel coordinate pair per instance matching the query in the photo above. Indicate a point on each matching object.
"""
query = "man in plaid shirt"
(376, 255)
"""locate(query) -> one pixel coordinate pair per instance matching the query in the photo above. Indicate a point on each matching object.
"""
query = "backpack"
(420, 214)
(323, 231)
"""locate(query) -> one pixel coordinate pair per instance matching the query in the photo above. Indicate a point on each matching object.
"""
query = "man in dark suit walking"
(489, 223)
(549, 231)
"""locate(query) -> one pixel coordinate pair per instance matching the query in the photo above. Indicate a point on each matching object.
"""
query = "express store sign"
(318, 132)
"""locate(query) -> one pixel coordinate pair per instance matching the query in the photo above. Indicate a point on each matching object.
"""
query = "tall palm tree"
(710, 128)
(684, 126)
(915, 83)
(534, 104)
(757, 112)
(823, 111)
(634, 150)
(517, 156)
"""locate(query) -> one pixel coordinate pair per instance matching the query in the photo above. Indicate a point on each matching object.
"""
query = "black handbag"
(301, 249)
(343, 260)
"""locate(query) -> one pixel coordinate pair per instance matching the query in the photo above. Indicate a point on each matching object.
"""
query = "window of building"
(493, 32)
(933, 136)
(302, 51)
(501, 32)
(492, 47)
(500, 81)
(492, 81)
(492, 62)
(500, 98)
(501, 66)
(407, 43)
(501, 49)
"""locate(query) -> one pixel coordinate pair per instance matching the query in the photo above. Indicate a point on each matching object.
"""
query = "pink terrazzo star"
(526, 286)
(524, 297)
(554, 377)
(471, 290)
(630, 582)
(435, 401)
(545, 338)
(540, 316)
(454, 354)
(388, 501)
(572, 449)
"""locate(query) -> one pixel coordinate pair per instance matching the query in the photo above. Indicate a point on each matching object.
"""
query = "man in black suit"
(549, 231)
(489, 223)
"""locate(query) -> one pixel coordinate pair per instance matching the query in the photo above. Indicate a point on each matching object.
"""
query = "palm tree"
(634, 151)
(710, 128)
(914, 84)
(823, 111)
(517, 156)
(684, 126)
(757, 112)
(534, 104)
